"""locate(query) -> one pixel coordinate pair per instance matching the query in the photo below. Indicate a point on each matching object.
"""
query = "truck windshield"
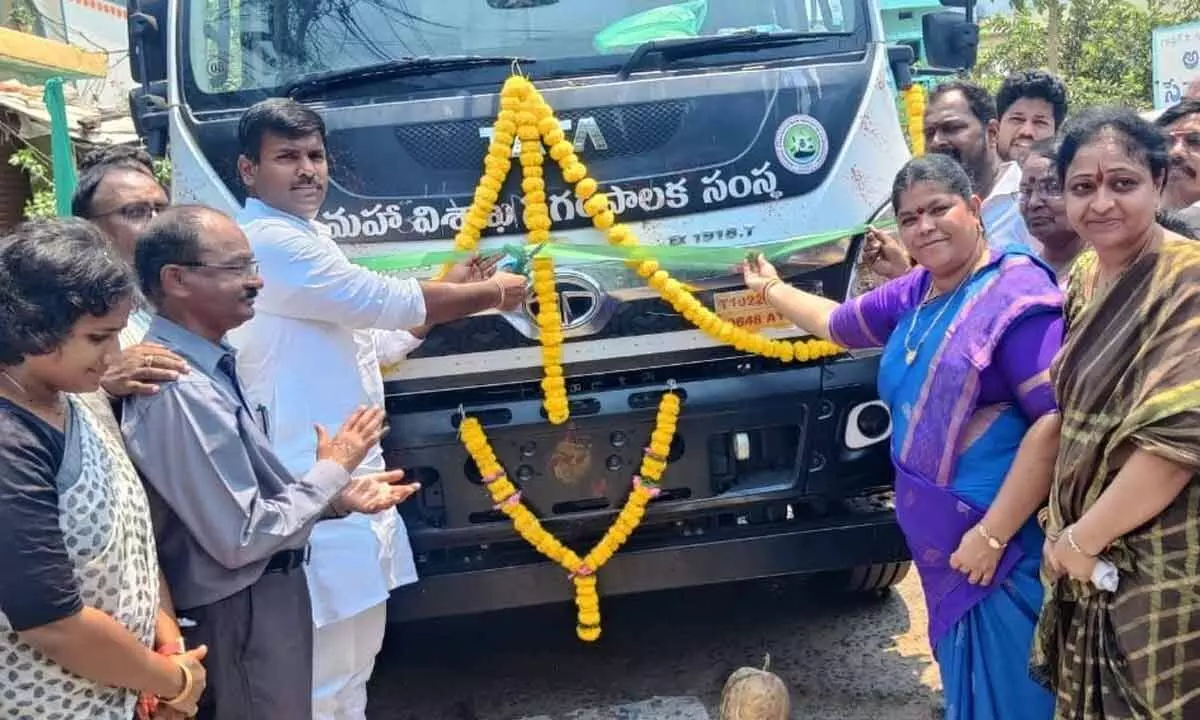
(259, 46)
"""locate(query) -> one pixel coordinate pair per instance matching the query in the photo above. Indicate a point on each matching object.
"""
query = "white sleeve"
(307, 276)
(393, 346)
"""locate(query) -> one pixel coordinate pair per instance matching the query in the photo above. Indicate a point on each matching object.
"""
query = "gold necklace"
(910, 351)
(58, 412)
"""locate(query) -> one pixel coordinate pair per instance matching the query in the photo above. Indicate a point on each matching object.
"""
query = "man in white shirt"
(117, 192)
(960, 121)
(313, 352)
(1181, 125)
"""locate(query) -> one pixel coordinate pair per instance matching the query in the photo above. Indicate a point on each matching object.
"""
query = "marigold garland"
(530, 120)
(582, 570)
(524, 113)
(914, 110)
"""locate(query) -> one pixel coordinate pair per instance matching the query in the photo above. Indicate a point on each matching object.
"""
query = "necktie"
(228, 366)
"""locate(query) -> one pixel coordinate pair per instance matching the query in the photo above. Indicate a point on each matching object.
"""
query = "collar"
(198, 350)
(1008, 181)
(255, 208)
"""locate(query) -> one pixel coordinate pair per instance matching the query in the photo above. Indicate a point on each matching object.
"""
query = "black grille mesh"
(629, 130)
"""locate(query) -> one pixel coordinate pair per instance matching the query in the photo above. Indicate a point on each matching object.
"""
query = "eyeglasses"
(246, 269)
(1048, 189)
(1189, 138)
(135, 212)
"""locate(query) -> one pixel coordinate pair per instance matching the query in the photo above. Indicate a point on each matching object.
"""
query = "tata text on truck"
(712, 123)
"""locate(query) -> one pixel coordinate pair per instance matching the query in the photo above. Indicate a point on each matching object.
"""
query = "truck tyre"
(873, 578)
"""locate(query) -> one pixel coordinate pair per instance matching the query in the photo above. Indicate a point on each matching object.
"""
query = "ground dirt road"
(666, 656)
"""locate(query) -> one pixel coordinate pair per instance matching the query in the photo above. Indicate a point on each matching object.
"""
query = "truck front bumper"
(839, 542)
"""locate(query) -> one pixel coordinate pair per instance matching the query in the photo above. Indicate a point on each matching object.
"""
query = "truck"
(710, 124)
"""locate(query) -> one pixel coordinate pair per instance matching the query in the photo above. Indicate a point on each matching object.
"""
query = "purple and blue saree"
(965, 375)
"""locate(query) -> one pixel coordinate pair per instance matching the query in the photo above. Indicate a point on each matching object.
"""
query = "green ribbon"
(62, 158)
(676, 257)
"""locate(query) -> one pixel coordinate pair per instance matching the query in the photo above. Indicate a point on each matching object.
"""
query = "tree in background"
(1100, 48)
(37, 166)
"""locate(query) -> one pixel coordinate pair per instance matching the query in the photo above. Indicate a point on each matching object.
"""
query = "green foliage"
(1100, 48)
(37, 168)
(22, 16)
(162, 171)
(41, 180)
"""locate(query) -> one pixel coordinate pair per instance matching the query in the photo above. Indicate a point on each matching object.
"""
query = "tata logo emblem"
(579, 299)
(586, 130)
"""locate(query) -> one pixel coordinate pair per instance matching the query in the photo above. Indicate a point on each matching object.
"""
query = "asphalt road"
(666, 657)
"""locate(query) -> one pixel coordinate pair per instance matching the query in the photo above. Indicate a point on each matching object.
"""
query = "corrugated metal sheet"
(84, 123)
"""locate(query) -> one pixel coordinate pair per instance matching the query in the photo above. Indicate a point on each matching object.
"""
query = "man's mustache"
(1182, 166)
(950, 152)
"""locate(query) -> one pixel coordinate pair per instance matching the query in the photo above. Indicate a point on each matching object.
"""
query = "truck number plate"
(746, 309)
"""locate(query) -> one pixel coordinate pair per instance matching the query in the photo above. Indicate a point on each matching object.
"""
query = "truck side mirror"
(901, 58)
(147, 26)
(951, 41)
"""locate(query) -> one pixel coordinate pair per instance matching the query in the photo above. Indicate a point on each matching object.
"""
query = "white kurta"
(311, 355)
(1001, 212)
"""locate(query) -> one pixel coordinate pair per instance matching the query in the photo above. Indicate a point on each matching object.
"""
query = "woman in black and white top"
(79, 594)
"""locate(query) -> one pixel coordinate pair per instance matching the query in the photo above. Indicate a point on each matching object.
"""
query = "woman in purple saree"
(967, 338)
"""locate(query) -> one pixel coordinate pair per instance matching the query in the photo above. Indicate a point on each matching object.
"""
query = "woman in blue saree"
(968, 337)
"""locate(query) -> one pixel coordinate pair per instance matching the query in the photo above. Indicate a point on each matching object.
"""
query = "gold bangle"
(767, 288)
(1070, 533)
(499, 293)
(189, 683)
(992, 541)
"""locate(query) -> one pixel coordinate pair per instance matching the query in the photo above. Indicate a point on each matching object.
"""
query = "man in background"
(1032, 106)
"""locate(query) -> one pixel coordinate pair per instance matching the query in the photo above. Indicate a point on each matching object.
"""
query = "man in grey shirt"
(232, 525)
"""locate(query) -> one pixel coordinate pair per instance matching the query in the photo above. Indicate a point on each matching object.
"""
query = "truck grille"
(629, 130)
(492, 332)
(632, 318)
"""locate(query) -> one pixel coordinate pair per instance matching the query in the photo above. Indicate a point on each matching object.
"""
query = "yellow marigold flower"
(595, 205)
(560, 150)
(586, 188)
(575, 173)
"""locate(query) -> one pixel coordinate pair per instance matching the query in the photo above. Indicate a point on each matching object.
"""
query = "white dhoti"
(343, 659)
(355, 562)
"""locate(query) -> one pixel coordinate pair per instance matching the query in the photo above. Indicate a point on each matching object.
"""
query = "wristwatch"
(992, 542)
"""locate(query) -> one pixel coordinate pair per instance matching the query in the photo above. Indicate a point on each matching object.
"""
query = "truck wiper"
(307, 84)
(749, 39)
